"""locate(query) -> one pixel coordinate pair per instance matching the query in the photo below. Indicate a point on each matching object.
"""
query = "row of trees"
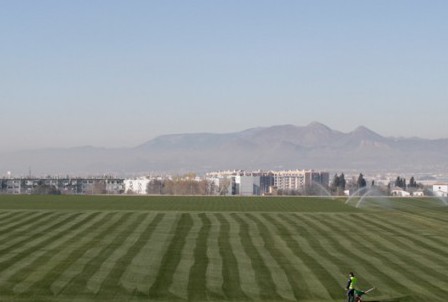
(339, 184)
(180, 186)
(401, 183)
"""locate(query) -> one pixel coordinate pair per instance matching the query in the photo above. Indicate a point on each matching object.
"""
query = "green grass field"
(121, 248)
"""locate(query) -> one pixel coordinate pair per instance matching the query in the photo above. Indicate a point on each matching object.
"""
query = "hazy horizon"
(204, 132)
(114, 74)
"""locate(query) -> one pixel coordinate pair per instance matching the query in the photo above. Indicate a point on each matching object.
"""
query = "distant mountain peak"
(366, 133)
(362, 128)
(314, 145)
(319, 126)
(316, 124)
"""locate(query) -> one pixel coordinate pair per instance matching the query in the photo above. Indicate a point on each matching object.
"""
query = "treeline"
(339, 184)
(401, 183)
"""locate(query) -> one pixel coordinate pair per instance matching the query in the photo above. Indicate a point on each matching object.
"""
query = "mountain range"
(314, 146)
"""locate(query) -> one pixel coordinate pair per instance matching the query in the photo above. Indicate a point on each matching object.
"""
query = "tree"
(335, 183)
(361, 181)
(155, 186)
(338, 184)
(412, 183)
(342, 182)
(400, 182)
(224, 185)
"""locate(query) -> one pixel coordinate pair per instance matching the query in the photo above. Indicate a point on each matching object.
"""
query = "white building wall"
(289, 180)
(248, 185)
(440, 190)
(136, 186)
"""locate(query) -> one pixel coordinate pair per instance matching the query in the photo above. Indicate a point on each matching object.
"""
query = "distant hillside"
(278, 147)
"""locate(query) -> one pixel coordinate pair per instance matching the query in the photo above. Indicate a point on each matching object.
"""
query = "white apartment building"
(289, 180)
(240, 182)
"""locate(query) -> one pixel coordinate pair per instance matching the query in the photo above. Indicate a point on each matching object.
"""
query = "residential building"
(440, 190)
(299, 180)
(64, 185)
(397, 191)
(289, 180)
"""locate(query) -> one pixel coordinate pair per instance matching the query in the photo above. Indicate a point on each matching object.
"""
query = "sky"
(118, 73)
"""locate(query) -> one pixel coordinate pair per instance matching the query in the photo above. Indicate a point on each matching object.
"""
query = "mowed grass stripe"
(197, 281)
(22, 234)
(435, 245)
(7, 214)
(17, 227)
(438, 213)
(13, 216)
(246, 271)
(70, 252)
(300, 268)
(422, 247)
(35, 248)
(356, 247)
(102, 251)
(107, 267)
(311, 258)
(142, 271)
(264, 275)
(214, 271)
(85, 253)
(337, 249)
(181, 276)
(353, 242)
(230, 270)
(408, 220)
(274, 259)
(398, 258)
(58, 251)
(171, 259)
(45, 234)
(422, 270)
(112, 288)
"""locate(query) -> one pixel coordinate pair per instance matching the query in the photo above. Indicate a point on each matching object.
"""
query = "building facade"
(241, 182)
(64, 185)
(300, 180)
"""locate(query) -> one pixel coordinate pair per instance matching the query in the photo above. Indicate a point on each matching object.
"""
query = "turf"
(127, 248)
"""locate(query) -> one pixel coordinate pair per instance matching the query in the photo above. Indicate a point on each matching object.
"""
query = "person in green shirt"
(351, 286)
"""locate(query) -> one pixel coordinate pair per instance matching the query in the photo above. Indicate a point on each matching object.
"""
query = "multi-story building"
(293, 180)
(63, 185)
(239, 182)
(236, 182)
(300, 180)
(14, 186)
(258, 182)
(317, 178)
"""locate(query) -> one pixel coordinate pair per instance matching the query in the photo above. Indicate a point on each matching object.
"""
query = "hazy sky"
(118, 73)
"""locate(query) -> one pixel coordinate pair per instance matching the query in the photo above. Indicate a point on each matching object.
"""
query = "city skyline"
(114, 74)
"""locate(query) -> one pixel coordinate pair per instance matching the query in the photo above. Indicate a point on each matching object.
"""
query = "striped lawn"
(139, 254)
